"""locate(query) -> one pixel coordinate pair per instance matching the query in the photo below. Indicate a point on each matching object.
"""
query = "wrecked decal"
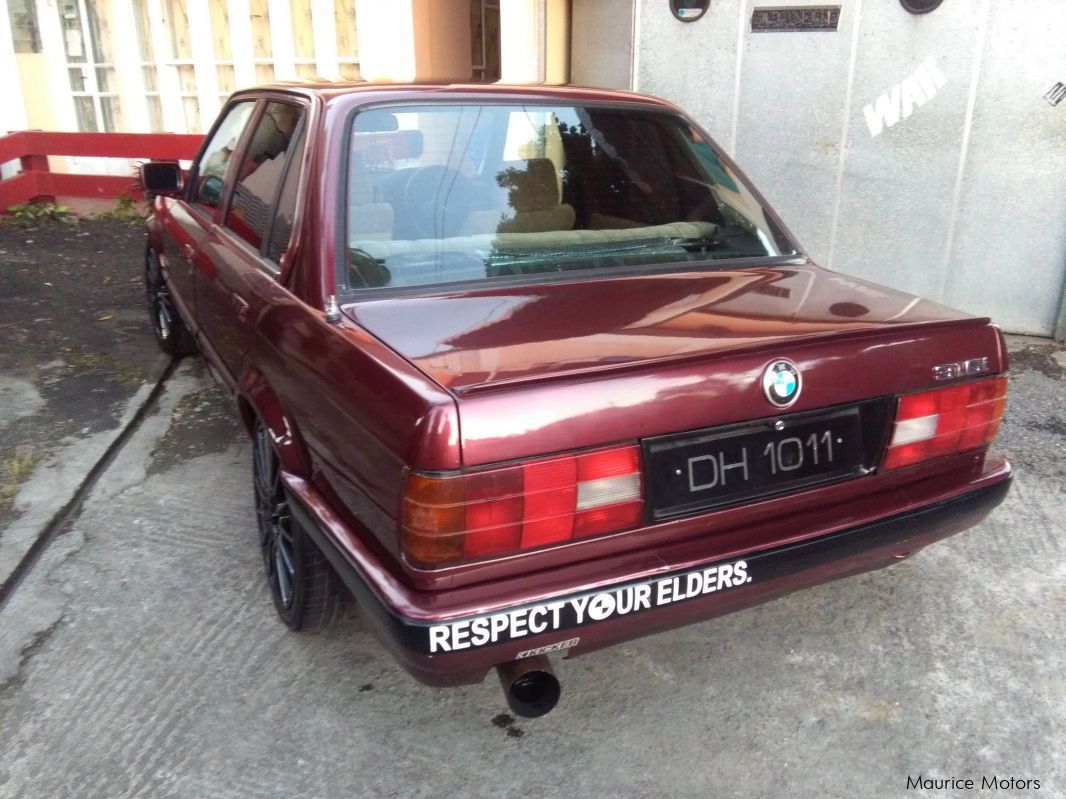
(547, 650)
(587, 608)
(899, 102)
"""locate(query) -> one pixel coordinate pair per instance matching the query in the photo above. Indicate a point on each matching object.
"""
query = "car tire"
(306, 591)
(171, 333)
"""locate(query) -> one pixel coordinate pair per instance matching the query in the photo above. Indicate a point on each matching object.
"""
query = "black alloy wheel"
(305, 589)
(173, 336)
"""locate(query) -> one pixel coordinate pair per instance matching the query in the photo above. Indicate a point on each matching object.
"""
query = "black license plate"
(723, 466)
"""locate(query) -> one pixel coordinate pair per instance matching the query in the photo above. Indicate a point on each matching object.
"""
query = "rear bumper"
(457, 645)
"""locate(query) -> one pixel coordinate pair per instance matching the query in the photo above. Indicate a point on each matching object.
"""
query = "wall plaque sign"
(796, 18)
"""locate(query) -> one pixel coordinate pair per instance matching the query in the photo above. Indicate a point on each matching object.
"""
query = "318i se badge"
(531, 370)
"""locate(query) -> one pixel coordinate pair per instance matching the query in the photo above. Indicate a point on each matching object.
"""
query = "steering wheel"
(436, 201)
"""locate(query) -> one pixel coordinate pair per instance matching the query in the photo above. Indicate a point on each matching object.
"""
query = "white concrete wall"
(521, 41)
(963, 201)
(601, 43)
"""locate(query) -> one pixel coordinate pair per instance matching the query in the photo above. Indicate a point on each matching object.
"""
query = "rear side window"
(211, 171)
(281, 230)
(262, 172)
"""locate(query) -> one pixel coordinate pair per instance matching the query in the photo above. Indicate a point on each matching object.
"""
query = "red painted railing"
(32, 148)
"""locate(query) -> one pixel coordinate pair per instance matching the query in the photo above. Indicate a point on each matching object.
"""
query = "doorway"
(485, 40)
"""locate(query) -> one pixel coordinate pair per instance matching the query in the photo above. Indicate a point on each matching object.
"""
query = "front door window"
(209, 173)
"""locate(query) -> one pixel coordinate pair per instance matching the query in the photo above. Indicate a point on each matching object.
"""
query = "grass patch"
(32, 214)
(15, 469)
(94, 363)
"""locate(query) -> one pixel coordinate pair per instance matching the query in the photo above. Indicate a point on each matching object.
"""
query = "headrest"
(534, 188)
(375, 121)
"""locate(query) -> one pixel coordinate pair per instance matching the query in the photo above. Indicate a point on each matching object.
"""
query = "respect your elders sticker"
(585, 609)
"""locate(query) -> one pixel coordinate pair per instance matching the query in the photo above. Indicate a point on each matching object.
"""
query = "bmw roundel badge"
(781, 383)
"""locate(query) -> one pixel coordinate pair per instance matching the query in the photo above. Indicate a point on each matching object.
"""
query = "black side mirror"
(162, 177)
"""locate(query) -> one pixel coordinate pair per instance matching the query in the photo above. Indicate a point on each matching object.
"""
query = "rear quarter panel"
(362, 413)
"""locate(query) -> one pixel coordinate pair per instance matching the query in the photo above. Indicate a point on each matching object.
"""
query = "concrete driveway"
(141, 657)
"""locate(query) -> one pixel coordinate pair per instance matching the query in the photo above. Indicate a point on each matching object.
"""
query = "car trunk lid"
(470, 341)
(553, 367)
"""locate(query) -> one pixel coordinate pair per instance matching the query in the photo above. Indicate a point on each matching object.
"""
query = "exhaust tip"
(530, 686)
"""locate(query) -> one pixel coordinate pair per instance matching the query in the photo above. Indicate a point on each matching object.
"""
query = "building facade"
(926, 151)
(168, 65)
(918, 143)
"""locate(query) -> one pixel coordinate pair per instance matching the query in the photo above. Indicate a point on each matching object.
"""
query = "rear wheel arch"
(257, 401)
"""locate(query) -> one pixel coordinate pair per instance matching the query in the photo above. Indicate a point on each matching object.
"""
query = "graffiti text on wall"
(899, 102)
(1056, 94)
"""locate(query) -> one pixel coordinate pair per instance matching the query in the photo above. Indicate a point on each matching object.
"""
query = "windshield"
(450, 193)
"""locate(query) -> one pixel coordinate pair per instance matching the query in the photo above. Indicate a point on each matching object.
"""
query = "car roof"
(363, 92)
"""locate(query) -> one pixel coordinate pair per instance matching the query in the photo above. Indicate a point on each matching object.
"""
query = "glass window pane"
(105, 79)
(307, 71)
(191, 109)
(70, 20)
(211, 170)
(262, 170)
(260, 29)
(477, 35)
(155, 113)
(303, 40)
(264, 73)
(226, 81)
(83, 108)
(111, 109)
(187, 79)
(281, 231)
(177, 21)
(220, 31)
(349, 71)
(144, 32)
(344, 20)
(100, 31)
(24, 31)
(77, 80)
(151, 79)
(492, 44)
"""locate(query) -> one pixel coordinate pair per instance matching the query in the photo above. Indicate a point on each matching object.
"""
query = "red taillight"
(947, 420)
(511, 508)
(550, 492)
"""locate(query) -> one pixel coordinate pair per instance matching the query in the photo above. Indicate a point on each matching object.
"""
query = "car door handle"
(187, 251)
(240, 306)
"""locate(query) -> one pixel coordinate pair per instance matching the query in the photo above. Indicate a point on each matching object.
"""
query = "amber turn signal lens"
(433, 518)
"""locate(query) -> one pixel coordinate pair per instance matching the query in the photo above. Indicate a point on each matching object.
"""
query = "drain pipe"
(530, 686)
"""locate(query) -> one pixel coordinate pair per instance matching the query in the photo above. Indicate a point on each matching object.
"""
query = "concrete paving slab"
(77, 359)
(158, 669)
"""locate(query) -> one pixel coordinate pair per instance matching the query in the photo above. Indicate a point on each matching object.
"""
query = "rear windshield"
(452, 193)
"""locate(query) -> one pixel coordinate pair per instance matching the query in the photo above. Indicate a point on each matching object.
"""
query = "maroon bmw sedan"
(533, 370)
